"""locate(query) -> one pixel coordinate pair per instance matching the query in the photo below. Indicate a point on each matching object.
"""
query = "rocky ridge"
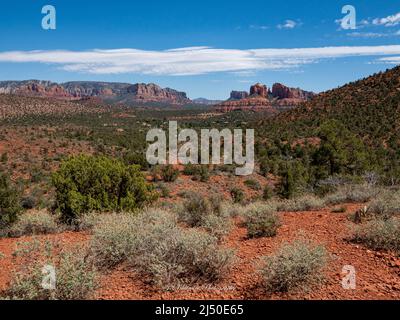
(106, 91)
(261, 98)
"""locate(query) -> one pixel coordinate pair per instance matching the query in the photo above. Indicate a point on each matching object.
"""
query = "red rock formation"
(281, 91)
(110, 92)
(259, 89)
(237, 95)
(152, 92)
(260, 98)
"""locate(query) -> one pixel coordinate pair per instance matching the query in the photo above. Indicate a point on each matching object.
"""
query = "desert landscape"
(77, 193)
(202, 159)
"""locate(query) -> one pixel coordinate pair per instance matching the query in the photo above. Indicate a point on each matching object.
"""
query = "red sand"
(378, 273)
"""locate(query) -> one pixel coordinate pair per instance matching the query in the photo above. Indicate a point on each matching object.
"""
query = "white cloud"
(289, 24)
(388, 21)
(364, 22)
(390, 60)
(367, 35)
(189, 61)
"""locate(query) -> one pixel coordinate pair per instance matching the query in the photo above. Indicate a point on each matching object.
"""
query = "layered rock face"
(237, 95)
(260, 90)
(281, 91)
(34, 88)
(261, 98)
(152, 92)
(106, 91)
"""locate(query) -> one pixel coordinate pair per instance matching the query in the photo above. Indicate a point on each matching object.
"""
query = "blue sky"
(206, 48)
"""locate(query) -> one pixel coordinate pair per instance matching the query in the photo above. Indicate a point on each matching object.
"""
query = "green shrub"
(295, 266)
(292, 180)
(261, 220)
(195, 209)
(379, 234)
(76, 277)
(199, 172)
(9, 202)
(36, 175)
(268, 193)
(4, 157)
(237, 195)
(253, 184)
(28, 202)
(164, 190)
(89, 183)
(169, 173)
(203, 175)
(34, 223)
(136, 159)
(303, 203)
(190, 169)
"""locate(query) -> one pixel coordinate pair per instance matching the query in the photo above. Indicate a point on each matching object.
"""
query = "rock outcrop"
(281, 91)
(261, 98)
(237, 95)
(259, 90)
(153, 93)
(105, 91)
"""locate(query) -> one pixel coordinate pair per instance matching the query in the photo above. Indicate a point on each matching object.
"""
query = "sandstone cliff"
(105, 91)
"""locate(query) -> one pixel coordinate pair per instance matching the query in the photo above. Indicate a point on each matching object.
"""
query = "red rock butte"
(261, 98)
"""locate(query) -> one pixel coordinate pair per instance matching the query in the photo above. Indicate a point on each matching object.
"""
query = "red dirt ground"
(378, 274)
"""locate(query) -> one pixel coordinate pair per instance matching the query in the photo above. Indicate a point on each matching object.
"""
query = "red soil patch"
(377, 273)
(9, 245)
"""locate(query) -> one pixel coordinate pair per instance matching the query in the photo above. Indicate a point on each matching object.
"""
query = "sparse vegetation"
(352, 193)
(207, 213)
(268, 193)
(155, 245)
(261, 220)
(252, 184)
(76, 277)
(295, 266)
(379, 234)
(34, 223)
(303, 203)
(341, 209)
(385, 205)
(169, 173)
(237, 195)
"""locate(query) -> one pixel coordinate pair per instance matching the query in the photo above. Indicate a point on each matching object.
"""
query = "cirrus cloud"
(389, 21)
(189, 61)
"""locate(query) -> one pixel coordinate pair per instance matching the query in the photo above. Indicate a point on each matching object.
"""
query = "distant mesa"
(261, 98)
(237, 95)
(109, 92)
(206, 102)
